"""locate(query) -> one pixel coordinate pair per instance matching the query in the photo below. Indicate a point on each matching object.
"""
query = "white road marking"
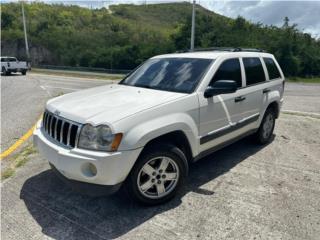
(43, 88)
(74, 83)
(73, 89)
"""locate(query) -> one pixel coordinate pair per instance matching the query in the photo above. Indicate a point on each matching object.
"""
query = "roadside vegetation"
(304, 80)
(125, 35)
(16, 161)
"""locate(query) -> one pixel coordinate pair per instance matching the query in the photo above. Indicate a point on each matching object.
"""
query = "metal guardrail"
(83, 69)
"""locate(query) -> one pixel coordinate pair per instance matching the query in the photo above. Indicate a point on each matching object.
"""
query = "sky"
(304, 13)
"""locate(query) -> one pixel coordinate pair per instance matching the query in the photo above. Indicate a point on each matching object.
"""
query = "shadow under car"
(63, 214)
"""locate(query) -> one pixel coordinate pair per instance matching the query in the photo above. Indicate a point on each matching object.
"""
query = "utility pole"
(192, 26)
(25, 31)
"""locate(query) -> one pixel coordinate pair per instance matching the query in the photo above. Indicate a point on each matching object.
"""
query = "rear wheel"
(157, 175)
(264, 133)
(4, 71)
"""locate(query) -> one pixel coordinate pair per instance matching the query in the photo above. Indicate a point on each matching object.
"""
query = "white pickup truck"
(11, 64)
(145, 132)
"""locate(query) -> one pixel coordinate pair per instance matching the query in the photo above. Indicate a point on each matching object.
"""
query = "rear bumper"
(16, 69)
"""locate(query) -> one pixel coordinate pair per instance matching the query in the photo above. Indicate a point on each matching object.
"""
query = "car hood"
(108, 104)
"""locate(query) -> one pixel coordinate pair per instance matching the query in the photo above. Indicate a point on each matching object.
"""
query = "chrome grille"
(64, 131)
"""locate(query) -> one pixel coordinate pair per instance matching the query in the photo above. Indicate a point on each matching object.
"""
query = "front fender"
(141, 134)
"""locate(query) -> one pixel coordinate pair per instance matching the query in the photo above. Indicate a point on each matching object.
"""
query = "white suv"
(169, 112)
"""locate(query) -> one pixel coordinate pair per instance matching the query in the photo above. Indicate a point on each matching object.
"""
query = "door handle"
(239, 99)
(266, 90)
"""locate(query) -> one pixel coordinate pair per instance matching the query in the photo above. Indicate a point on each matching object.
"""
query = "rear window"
(254, 71)
(229, 70)
(272, 68)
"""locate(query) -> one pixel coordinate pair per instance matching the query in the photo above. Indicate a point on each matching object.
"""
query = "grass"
(79, 74)
(7, 173)
(17, 161)
(304, 80)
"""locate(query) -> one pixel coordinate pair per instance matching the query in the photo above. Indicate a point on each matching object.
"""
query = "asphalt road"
(241, 192)
(302, 97)
(23, 99)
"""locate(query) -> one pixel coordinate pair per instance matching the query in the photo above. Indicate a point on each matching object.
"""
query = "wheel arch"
(177, 138)
(275, 106)
(180, 129)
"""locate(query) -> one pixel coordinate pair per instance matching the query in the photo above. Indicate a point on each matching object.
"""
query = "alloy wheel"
(158, 177)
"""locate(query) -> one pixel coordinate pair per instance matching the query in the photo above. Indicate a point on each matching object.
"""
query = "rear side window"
(228, 70)
(12, 60)
(254, 71)
(272, 68)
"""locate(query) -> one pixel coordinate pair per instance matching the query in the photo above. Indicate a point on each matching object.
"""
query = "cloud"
(304, 13)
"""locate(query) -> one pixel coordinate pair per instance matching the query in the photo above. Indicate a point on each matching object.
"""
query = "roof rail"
(248, 50)
(227, 49)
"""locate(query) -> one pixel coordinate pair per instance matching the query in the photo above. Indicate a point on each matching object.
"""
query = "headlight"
(99, 138)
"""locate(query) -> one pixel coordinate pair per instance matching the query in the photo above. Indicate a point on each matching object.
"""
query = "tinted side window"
(229, 70)
(12, 59)
(254, 71)
(272, 68)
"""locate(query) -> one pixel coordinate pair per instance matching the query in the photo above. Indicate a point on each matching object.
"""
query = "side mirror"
(220, 87)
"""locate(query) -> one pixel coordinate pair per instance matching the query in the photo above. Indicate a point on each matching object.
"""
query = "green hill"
(123, 36)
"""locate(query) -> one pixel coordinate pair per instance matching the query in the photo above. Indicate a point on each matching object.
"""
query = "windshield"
(169, 74)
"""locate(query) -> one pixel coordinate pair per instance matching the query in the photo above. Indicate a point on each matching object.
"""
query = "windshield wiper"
(143, 86)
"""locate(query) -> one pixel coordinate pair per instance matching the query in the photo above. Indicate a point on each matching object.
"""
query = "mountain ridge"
(125, 35)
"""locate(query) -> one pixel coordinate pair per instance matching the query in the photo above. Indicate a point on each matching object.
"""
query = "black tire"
(153, 153)
(24, 72)
(264, 133)
(4, 71)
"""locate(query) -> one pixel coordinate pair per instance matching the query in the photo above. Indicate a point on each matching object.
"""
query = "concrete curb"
(305, 114)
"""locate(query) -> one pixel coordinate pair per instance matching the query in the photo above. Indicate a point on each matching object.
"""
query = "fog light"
(89, 170)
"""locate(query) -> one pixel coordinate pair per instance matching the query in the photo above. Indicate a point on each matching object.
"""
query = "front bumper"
(73, 165)
(89, 189)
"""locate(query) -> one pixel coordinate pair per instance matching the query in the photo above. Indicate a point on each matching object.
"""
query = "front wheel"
(24, 72)
(157, 175)
(264, 133)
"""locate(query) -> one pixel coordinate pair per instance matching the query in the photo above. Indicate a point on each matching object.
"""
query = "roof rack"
(226, 49)
(248, 50)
